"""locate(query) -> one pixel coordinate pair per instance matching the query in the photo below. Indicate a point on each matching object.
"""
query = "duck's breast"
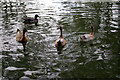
(25, 39)
(19, 36)
(61, 40)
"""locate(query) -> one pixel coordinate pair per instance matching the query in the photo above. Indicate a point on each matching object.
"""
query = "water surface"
(93, 59)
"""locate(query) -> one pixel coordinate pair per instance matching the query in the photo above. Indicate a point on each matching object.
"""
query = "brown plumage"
(60, 42)
(21, 38)
(87, 37)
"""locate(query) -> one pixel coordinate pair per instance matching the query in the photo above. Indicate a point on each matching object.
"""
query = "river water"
(97, 58)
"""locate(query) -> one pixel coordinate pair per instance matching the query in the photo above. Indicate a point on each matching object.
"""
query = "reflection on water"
(94, 59)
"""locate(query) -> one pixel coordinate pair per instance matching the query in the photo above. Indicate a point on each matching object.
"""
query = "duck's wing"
(29, 20)
(25, 39)
(63, 41)
(85, 37)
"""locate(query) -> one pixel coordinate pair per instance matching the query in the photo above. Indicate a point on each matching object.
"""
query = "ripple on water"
(13, 68)
(43, 60)
(113, 31)
(16, 56)
(30, 72)
(99, 57)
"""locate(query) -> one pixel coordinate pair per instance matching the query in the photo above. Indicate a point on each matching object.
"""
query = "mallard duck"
(30, 20)
(60, 42)
(21, 38)
(87, 37)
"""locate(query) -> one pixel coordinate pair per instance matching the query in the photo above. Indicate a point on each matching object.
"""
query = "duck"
(30, 20)
(60, 42)
(87, 37)
(21, 38)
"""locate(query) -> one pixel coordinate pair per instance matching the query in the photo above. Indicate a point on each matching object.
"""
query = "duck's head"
(59, 27)
(18, 30)
(36, 16)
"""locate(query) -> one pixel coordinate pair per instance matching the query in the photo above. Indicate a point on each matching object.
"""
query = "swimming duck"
(30, 20)
(60, 42)
(87, 37)
(21, 38)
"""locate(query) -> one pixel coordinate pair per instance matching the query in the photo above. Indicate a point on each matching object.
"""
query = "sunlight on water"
(0, 44)
(97, 58)
(49, 1)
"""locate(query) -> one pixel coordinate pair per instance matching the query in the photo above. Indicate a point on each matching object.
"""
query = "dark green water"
(98, 58)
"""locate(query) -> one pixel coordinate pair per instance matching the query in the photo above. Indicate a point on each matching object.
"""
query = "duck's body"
(60, 42)
(21, 38)
(87, 37)
(30, 20)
